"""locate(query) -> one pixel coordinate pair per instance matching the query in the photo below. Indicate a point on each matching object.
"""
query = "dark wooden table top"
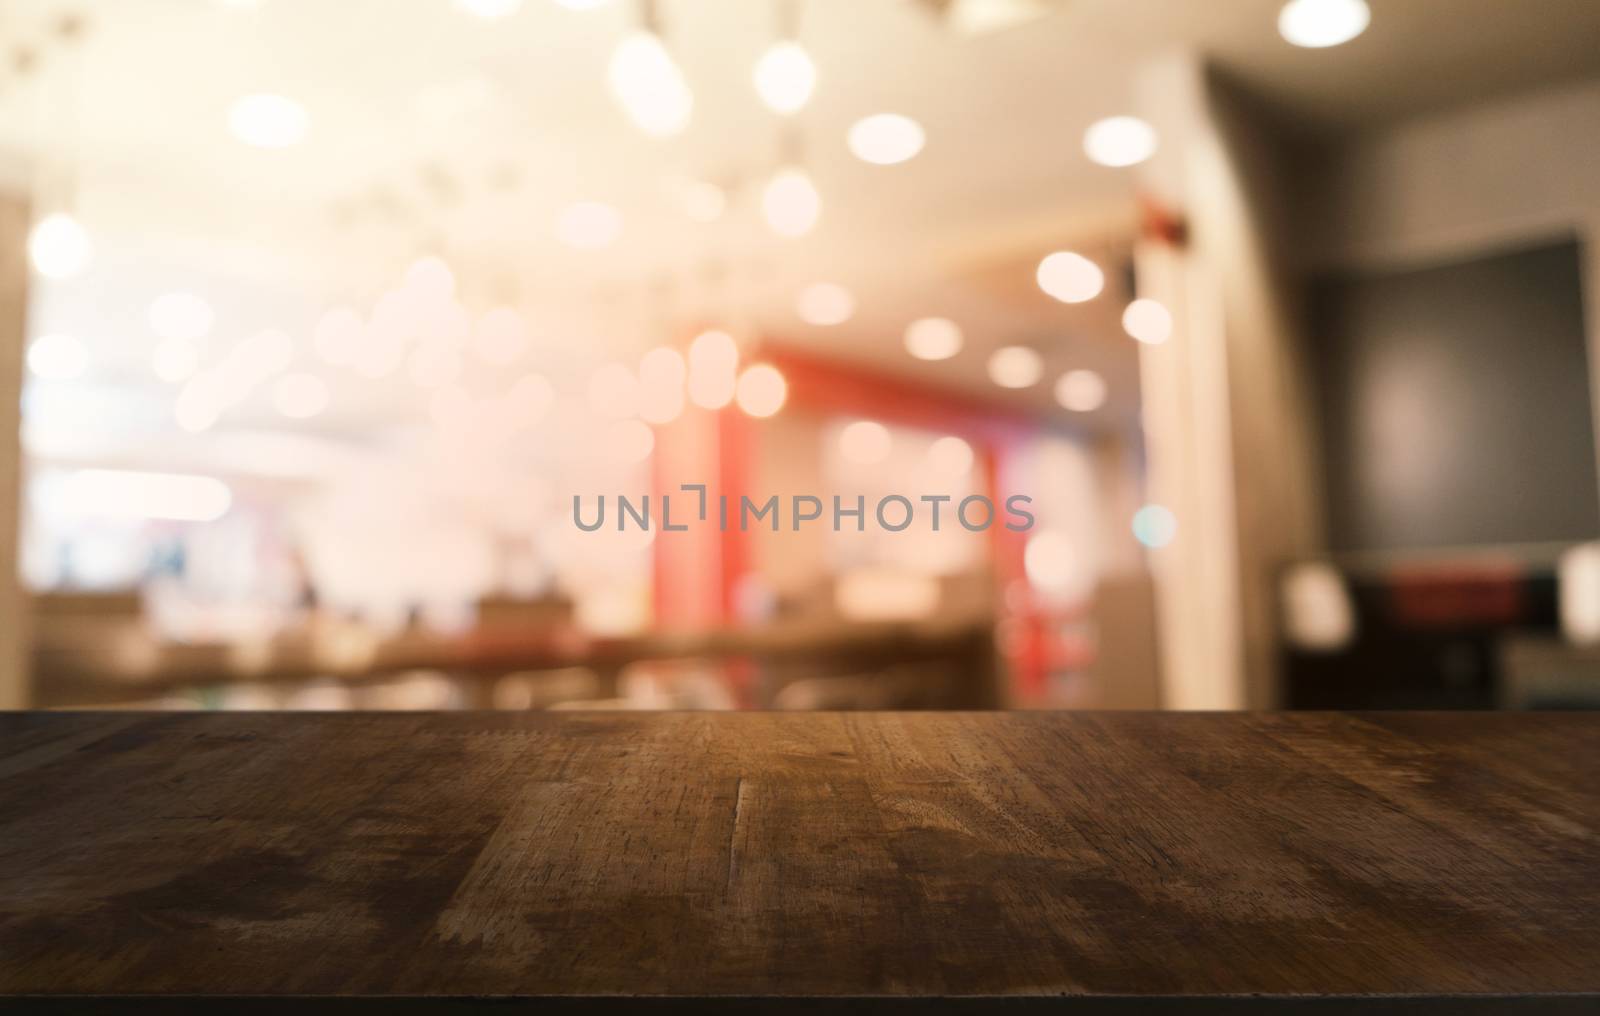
(1075, 862)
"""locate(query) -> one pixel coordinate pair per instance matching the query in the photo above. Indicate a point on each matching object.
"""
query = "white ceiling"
(435, 131)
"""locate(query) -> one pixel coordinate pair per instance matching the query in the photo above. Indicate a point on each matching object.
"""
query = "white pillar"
(1227, 414)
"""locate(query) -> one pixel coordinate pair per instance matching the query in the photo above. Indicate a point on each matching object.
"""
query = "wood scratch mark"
(733, 832)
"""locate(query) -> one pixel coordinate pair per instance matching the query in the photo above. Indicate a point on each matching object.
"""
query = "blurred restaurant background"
(316, 318)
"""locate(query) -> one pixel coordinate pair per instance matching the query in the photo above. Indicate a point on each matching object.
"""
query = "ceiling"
(433, 131)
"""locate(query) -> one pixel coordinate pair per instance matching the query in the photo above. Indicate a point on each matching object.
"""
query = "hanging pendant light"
(647, 82)
(785, 76)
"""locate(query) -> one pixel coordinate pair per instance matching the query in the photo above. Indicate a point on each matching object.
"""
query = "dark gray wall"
(1454, 404)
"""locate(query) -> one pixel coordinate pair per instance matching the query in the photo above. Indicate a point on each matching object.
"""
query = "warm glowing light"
(825, 304)
(59, 247)
(1015, 367)
(1082, 391)
(650, 87)
(1051, 563)
(885, 139)
(589, 225)
(1119, 141)
(1318, 24)
(431, 281)
(950, 456)
(762, 390)
(501, 337)
(865, 442)
(614, 391)
(785, 76)
(57, 357)
(182, 316)
(661, 376)
(713, 369)
(1148, 321)
(933, 338)
(268, 121)
(175, 360)
(1154, 526)
(1070, 278)
(490, 9)
(300, 396)
(148, 495)
(336, 337)
(791, 203)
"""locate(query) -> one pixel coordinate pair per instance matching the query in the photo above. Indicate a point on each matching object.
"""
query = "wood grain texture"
(919, 854)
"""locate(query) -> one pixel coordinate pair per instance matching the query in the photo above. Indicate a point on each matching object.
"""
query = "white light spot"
(865, 442)
(791, 203)
(57, 357)
(1015, 367)
(825, 304)
(1081, 391)
(1070, 277)
(885, 139)
(933, 338)
(785, 76)
(1147, 321)
(762, 390)
(1154, 526)
(59, 246)
(1119, 141)
(268, 121)
(1318, 24)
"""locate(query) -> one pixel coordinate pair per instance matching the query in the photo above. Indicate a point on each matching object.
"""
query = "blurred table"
(932, 862)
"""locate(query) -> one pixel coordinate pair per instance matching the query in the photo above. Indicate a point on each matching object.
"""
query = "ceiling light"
(58, 246)
(933, 338)
(950, 456)
(490, 9)
(1318, 24)
(825, 304)
(57, 357)
(175, 360)
(148, 495)
(182, 317)
(865, 442)
(1119, 141)
(713, 369)
(430, 279)
(762, 390)
(647, 82)
(886, 138)
(1148, 321)
(785, 76)
(1070, 278)
(1015, 367)
(791, 203)
(268, 121)
(300, 396)
(589, 225)
(1082, 391)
